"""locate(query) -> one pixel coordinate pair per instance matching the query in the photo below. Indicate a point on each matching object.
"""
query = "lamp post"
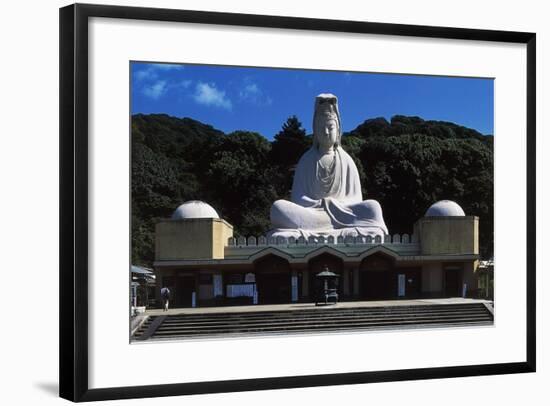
(328, 291)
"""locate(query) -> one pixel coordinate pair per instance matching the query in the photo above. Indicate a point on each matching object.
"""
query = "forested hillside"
(406, 164)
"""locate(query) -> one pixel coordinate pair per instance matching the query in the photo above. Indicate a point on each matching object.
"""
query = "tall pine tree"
(288, 146)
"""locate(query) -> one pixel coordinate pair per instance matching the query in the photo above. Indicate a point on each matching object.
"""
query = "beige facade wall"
(221, 232)
(448, 235)
(191, 239)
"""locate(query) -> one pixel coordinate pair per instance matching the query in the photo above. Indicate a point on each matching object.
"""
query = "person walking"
(165, 296)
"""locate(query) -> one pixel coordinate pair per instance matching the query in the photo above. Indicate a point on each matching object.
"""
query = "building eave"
(249, 261)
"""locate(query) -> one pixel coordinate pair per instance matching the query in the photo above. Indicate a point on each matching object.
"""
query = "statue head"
(327, 127)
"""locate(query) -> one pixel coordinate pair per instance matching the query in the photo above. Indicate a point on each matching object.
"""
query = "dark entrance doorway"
(453, 278)
(377, 278)
(317, 265)
(411, 282)
(185, 286)
(378, 285)
(273, 280)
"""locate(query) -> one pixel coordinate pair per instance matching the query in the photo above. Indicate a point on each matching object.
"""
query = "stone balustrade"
(401, 239)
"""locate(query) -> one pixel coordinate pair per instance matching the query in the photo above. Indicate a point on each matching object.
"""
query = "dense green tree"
(407, 164)
(290, 143)
(408, 173)
(287, 147)
(240, 174)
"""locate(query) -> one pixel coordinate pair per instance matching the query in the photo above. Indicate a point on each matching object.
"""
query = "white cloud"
(252, 93)
(209, 95)
(186, 83)
(150, 76)
(250, 90)
(145, 74)
(155, 90)
(149, 71)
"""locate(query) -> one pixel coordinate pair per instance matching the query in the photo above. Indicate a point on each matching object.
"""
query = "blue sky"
(261, 99)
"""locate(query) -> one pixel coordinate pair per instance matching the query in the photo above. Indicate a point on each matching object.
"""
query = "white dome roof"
(445, 208)
(195, 209)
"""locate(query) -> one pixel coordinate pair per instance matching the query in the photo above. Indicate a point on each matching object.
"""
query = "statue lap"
(292, 220)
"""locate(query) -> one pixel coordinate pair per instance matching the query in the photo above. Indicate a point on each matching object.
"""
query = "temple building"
(198, 258)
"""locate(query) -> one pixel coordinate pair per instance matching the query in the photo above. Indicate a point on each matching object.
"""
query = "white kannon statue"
(326, 192)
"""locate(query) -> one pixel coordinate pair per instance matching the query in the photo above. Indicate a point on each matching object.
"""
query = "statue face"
(328, 132)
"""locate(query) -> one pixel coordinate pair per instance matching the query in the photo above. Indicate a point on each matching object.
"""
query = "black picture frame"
(74, 170)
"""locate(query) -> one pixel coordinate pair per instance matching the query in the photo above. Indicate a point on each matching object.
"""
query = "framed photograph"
(244, 197)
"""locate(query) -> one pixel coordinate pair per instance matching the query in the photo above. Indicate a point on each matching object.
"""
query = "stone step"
(342, 317)
(320, 312)
(304, 320)
(325, 329)
(143, 327)
(269, 323)
(322, 327)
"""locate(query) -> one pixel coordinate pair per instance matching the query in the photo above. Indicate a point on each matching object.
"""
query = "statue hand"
(308, 202)
(326, 201)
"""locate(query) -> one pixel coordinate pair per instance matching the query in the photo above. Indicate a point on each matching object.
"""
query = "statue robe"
(326, 205)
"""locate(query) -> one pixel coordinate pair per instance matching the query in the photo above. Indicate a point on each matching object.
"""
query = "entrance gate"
(377, 278)
(185, 286)
(273, 280)
(453, 279)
